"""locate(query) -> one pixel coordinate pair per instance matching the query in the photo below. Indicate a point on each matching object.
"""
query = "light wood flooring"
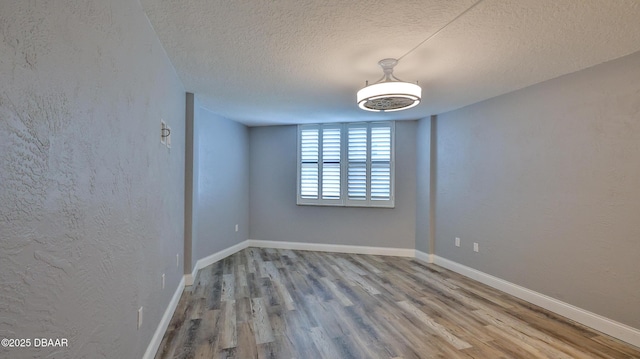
(268, 303)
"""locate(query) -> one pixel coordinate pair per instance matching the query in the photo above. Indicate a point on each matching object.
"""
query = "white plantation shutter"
(309, 155)
(380, 163)
(346, 164)
(331, 146)
(357, 162)
(370, 164)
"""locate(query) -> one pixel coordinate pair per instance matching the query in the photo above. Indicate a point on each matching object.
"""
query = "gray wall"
(274, 214)
(190, 182)
(546, 180)
(423, 186)
(222, 171)
(91, 204)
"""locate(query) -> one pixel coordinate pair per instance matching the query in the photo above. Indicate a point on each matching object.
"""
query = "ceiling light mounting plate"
(387, 67)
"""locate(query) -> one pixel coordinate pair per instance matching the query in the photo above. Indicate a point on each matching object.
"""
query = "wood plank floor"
(268, 303)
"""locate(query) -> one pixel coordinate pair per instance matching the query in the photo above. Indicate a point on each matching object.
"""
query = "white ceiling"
(264, 62)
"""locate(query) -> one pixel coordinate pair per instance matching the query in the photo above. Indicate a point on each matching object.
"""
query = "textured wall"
(222, 158)
(91, 204)
(546, 179)
(275, 216)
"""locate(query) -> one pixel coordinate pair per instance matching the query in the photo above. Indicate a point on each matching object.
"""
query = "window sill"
(350, 205)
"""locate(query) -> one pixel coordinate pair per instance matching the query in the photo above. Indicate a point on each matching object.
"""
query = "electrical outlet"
(140, 317)
(177, 260)
(475, 247)
(162, 280)
(236, 227)
(457, 241)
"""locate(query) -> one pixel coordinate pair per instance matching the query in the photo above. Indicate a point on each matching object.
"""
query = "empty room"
(319, 179)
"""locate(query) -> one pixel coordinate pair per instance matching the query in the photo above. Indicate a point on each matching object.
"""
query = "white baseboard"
(153, 346)
(188, 278)
(605, 325)
(341, 248)
(210, 259)
(425, 257)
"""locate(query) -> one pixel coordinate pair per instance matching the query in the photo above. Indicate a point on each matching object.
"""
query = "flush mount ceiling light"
(389, 93)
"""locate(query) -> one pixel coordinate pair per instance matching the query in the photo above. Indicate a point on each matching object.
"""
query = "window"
(347, 164)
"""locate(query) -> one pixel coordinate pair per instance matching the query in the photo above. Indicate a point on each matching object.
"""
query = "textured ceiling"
(264, 62)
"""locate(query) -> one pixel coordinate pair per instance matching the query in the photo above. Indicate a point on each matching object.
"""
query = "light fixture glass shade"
(389, 96)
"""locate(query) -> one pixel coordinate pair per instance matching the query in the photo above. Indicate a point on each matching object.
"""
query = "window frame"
(344, 200)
